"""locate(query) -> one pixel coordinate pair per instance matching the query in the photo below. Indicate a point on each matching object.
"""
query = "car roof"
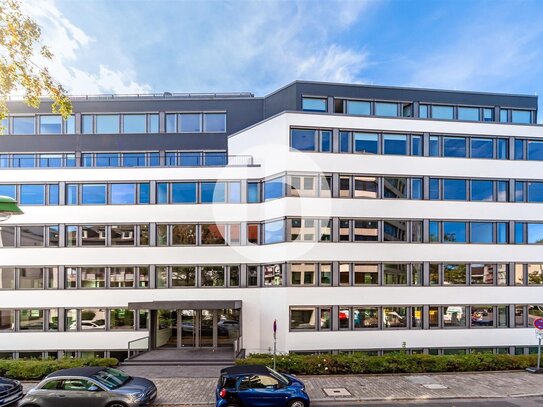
(85, 371)
(245, 369)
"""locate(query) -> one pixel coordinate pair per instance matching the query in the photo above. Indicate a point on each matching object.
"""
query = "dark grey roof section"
(186, 304)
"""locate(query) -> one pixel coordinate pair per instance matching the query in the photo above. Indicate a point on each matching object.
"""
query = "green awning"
(8, 206)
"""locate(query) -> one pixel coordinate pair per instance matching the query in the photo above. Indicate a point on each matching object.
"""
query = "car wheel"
(296, 403)
(116, 404)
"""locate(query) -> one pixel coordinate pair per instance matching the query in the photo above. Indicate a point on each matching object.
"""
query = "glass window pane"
(394, 317)
(454, 147)
(122, 277)
(454, 274)
(416, 188)
(23, 125)
(87, 123)
(482, 190)
(7, 274)
(213, 234)
(123, 235)
(434, 146)
(107, 160)
(8, 190)
(535, 233)
(326, 141)
(274, 232)
(423, 111)
(519, 191)
(365, 187)
(358, 107)
(367, 317)
(442, 112)
(482, 315)
(121, 319)
(454, 189)
(386, 109)
(454, 316)
(482, 148)
(134, 123)
(123, 194)
(191, 123)
(481, 232)
(31, 278)
(488, 115)
(468, 113)
(302, 318)
(253, 192)
(70, 125)
(162, 193)
(184, 192)
(93, 194)
(314, 105)
(519, 149)
(93, 277)
(274, 188)
(434, 188)
(535, 191)
(535, 150)
(31, 236)
(394, 144)
(394, 230)
(394, 274)
(134, 160)
(344, 141)
(50, 124)
(7, 320)
(32, 195)
(171, 123)
(366, 230)
(153, 123)
(303, 139)
(213, 192)
(107, 123)
(395, 187)
(503, 149)
(416, 146)
(502, 232)
(215, 122)
(183, 276)
(454, 232)
(521, 116)
(144, 193)
(366, 143)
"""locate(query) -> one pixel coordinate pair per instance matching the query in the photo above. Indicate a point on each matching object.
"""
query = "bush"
(37, 369)
(359, 363)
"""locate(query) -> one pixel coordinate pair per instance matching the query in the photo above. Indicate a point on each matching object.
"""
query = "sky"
(137, 46)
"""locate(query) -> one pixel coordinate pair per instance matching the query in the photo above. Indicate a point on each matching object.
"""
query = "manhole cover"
(336, 392)
(420, 379)
(434, 386)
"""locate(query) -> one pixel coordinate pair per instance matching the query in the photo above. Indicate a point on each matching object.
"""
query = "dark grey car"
(91, 387)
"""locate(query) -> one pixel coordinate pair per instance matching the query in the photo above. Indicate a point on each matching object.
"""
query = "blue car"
(259, 386)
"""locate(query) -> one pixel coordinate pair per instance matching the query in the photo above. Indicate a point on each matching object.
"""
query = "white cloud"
(66, 41)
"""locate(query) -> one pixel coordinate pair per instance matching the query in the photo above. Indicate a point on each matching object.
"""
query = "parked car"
(91, 387)
(258, 385)
(11, 391)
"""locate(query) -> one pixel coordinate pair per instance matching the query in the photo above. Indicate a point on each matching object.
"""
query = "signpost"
(538, 324)
(275, 341)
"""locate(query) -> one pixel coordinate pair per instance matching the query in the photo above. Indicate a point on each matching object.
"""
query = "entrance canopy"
(188, 304)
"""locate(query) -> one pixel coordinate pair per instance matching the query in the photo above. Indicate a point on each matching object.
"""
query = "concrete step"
(177, 363)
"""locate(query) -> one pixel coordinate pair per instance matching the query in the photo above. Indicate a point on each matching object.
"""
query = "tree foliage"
(20, 42)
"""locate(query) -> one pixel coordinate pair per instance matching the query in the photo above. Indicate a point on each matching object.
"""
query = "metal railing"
(239, 352)
(162, 95)
(138, 346)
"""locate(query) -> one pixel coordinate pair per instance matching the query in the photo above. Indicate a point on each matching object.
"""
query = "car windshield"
(111, 378)
(278, 376)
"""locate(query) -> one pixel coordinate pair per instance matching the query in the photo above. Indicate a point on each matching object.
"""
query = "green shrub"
(359, 363)
(34, 369)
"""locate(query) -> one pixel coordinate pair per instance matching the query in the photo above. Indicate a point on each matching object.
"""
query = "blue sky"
(129, 46)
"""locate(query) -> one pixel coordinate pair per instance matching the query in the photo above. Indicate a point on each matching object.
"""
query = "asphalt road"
(502, 402)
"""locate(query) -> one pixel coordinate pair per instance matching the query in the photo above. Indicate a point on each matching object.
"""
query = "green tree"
(20, 42)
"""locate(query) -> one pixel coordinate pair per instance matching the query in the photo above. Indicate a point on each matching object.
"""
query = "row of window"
(193, 122)
(425, 111)
(64, 354)
(337, 185)
(326, 318)
(292, 274)
(118, 319)
(509, 350)
(322, 140)
(142, 159)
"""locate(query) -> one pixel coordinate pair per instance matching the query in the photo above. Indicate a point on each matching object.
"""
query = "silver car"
(91, 387)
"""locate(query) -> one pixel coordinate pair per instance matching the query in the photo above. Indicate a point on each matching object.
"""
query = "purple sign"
(538, 323)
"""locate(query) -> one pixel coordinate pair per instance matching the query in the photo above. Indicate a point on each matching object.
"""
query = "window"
(93, 194)
(519, 149)
(416, 146)
(535, 191)
(344, 230)
(454, 189)
(50, 124)
(535, 274)
(395, 188)
(31, 236)
(344, 142)
(454, 316)
(213, 234)
(31, 278)
(454, 274)
(454, 232)
(314, 104)
(325, 141)
(123, 235)
(215, 122)
(434, 146)
(482, 148)
(366, 143)
(253, 233)
(302, 318)
(122, 277)
(303, 186)
(252, 276)
(171, 123)
(502, 149)
(394, 144)
(253, 192)
(367, 317)
(482, 190)
(423, 111)
(394, 274)
(521, 116)
(481, 232)
(482, 316)
(433, 231)
(183, 192)
(344, 317)
(213, 192)
(357, 107)
(394, 317)
(535, 233)
(93, 235)
(153, 123)
(366, 274)
(274, 232)
(302, 229)
(502, 234)
(454, 147)
(184, 234)
(274, 188)
(416, 231)
(345, 274)
(365, 187)
(134, 123)
(273, 275)
(303, 139)
(7, 320)
(535, 150)
(366, 230)
(468, 113)
(107, 124)
(386, 109)
(395, 231)
(31, 320)
(302, 273)
(87, 125)
(32, 195)
(7, 278)
(442, 112)
(212, 276)
(416, 188)
(121, 319)
(190, 123)
(325, 274)
(123, 194)
(488, 114)
(519, 191)
(93, 277)
(23, 125)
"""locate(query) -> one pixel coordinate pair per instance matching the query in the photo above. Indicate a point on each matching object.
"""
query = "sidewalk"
(200, 391)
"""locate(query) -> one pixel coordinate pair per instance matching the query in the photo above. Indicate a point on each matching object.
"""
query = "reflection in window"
(212, 276)
(535, 274)
(93, 277)
(190, 123)
(182, 192)
(274, 232)
(23, 125)
(50, 124)
(274, 188)
(442, 112)
(273, 275)
(213, 192)
(32, 195)
(454, 274)
(123, 194)
(134, 123)
(394, 317)
(535, 191)
(303, 273)
(386, 109)
(454, 147)
(358, 107)
(366, 143)
(521, 116)
(535, 233)
(482, 315)
(482, 148)
(365, 187)
(367, 317)
(395, 274)
(107, 124)
(535, 150)
(184, 234)
(303, 139)
(395, 231)
(366, 274)
(481, 232)
(454, 189)
(454, 232)
(302, 318)
(215, 122)
(395, 188)
(482, 274)
(314, 104)
(482, 190)
(93, 194)
(213, 234)
(366, 230)
(454, 316)
(468, 113)
(394, 144)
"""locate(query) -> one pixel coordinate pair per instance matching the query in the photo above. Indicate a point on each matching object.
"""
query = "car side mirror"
(94, 388)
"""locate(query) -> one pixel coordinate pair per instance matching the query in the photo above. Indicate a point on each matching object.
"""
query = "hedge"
(33, 369)
(359, 363)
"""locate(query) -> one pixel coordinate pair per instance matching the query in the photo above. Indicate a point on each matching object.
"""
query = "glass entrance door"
(208, 329)
(188, 328)
(167, 329)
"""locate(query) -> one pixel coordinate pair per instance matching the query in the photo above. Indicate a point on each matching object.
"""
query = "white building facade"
(359, 218)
